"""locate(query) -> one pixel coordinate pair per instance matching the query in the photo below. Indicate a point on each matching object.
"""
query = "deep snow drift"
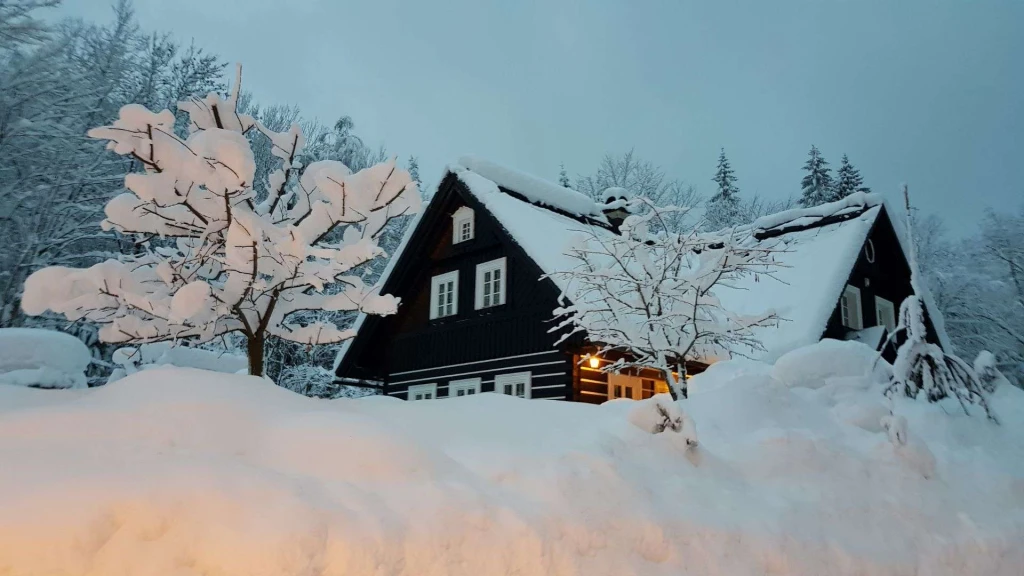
(42, 358)
(185, 472)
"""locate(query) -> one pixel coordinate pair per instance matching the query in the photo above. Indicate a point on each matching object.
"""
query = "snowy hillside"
(177, 471)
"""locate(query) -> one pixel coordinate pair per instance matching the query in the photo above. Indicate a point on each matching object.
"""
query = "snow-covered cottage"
(476, 308)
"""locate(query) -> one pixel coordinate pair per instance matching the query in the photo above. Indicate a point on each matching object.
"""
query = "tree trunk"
(254, 347)
(672, 384)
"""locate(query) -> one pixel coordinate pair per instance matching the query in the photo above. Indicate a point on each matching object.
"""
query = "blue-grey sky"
(930, 92)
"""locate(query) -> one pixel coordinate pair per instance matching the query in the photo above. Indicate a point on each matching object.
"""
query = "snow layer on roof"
(535, 189)
(544, 235)
(806, 216)
(814, 266)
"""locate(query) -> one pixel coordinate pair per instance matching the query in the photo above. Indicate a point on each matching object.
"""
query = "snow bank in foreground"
(177, 471)
(42, 358)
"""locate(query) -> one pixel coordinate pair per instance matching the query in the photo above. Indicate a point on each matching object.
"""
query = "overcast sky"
(930, 92)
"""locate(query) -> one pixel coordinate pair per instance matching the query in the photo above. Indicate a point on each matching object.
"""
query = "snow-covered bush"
(213, 257)
(922, 367)
(132, 359)
(42, 358)
(648, 292)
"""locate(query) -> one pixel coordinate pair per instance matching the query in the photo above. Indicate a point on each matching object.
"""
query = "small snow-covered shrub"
(815, 365)
(42, 358)
(131, 359)
(988, 373)
(659, 414)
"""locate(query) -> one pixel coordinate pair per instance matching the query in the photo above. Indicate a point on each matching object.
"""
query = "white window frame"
(422, 389)
(881, 304)
(853, 321)
(467, 386)
(481, 271)
(435, 288)
(463, 216)
(501, 380)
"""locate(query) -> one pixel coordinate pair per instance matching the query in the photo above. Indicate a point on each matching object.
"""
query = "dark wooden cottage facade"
(476, 309)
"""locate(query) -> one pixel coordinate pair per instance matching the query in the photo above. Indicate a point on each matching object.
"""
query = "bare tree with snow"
(213, 256)
(649, 293)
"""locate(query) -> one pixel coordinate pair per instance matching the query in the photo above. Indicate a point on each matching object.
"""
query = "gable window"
(516, 384)
(444, 295)
(464, 387)
(490, 284)
(422, 392)
(463, 225)
(849, 306)
(885, 311)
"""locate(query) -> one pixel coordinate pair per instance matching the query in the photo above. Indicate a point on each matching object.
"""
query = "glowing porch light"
(594, 362)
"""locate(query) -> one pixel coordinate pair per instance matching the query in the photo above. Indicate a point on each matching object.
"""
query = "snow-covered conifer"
(414, 171)
(213, 256)
(723, 208)
(817, 183)
(563, 177)
(649, 293)
(848, 181)
(922, 367)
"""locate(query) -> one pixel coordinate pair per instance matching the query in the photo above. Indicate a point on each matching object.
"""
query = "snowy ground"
(184, 472)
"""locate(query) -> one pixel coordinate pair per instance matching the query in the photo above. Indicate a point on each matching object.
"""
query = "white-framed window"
(885, 311)
(516, 384)
(464, 387)
(463, 225)
(444, 295)
(490, 283)
(422, 392)
(849, 306)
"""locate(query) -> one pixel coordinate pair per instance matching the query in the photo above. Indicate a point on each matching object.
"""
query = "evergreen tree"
(563, 177)
(723, 208)
(848, 181)
(414, 171)
(817, 183)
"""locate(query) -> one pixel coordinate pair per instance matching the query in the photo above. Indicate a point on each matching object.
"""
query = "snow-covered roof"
(814, 265)
(533, 189)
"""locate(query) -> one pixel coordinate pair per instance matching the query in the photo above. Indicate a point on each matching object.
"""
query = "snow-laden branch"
(213, 258)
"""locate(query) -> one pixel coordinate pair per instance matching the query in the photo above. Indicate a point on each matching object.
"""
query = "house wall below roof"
(888, 277)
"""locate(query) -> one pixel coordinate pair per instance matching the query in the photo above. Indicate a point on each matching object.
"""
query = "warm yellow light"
(594, 362)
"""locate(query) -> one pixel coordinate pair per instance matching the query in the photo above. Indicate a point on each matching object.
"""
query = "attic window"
(850, 310)
(463, 225)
